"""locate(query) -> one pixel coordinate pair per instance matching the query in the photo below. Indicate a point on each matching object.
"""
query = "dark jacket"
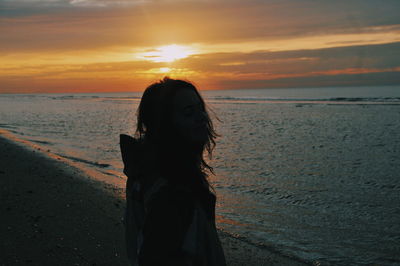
(165, 223)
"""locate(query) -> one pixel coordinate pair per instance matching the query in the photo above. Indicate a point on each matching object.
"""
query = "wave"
(328, 99)
(219, 98)
(92, 163)
(298, 100)
(8, 126)
(271, 248)
(71, 96)
(96, 97)
(41, 142)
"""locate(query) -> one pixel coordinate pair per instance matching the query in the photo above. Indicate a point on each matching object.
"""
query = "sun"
(168, 53)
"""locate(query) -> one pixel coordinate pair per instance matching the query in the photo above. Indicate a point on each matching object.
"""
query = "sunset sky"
(105, 45)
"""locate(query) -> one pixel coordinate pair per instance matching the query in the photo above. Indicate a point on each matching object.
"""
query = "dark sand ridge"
(55, 214)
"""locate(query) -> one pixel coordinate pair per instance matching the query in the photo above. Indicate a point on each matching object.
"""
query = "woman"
(170, 214)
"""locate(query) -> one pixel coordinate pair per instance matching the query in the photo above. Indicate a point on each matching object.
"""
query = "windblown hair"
(155, 125)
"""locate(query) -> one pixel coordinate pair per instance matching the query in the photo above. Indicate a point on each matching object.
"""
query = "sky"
(125, 45)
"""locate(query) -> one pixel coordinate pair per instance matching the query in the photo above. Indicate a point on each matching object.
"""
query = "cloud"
(106, 3)
(370, 79)
(254, 41)
(55, 25)
(328, 67)
(293, 62)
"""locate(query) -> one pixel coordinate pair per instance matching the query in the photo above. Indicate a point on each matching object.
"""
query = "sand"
(55, 214)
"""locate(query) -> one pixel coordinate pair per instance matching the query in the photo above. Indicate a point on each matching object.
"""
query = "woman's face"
(189, 117)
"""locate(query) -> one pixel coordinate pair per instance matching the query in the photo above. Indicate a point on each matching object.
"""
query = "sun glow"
(168, 53)
(157, 70)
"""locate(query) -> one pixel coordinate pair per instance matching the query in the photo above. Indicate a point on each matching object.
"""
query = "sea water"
(311, 173)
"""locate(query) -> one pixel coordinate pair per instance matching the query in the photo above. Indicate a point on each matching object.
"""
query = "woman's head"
(190, 117)
(172, 115)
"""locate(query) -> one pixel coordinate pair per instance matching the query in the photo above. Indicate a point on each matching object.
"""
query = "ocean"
(309, 172)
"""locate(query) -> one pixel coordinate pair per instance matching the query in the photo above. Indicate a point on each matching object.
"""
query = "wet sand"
(55, 214)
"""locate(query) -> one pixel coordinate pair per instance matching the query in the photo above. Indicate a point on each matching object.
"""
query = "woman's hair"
(155, 125)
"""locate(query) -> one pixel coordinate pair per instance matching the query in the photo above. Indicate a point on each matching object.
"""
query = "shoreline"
(56, 213)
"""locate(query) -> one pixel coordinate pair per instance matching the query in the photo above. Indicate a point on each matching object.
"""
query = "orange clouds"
(90, 45)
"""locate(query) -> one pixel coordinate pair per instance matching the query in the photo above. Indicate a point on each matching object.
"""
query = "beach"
(308, 174)
(56, 214)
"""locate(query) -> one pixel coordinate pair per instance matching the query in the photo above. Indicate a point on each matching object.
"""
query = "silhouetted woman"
(170, 213)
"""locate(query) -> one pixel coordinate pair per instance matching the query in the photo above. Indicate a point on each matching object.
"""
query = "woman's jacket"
(165, 223)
